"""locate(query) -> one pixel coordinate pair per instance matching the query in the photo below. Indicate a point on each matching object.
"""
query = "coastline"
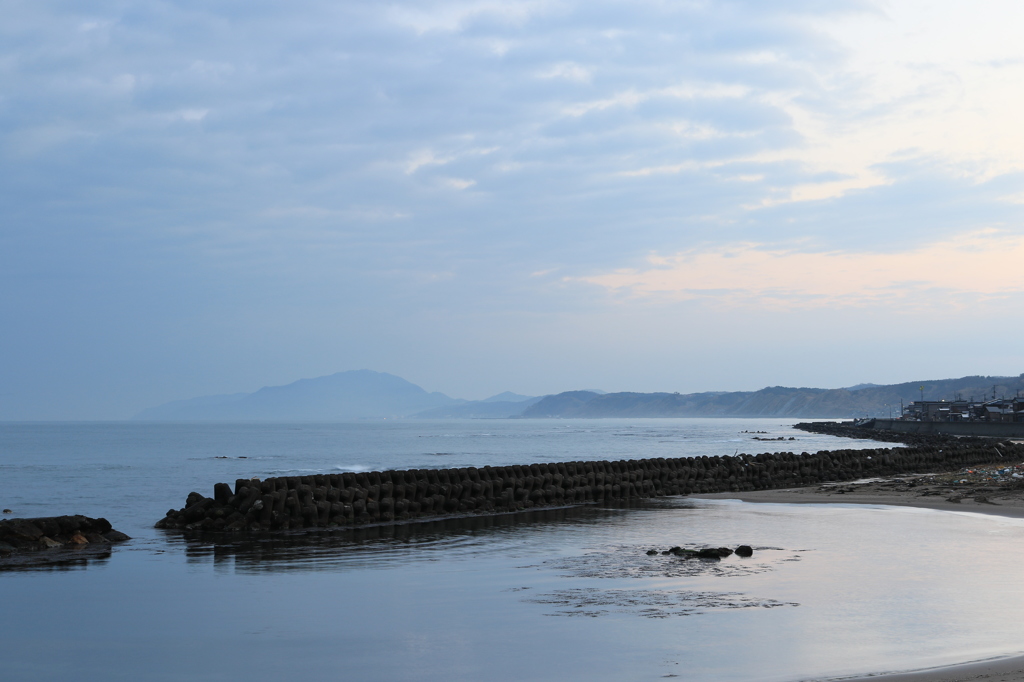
(1008, 503)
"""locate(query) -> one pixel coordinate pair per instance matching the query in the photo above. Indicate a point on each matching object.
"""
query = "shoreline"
(808, 495)
(1007, 503)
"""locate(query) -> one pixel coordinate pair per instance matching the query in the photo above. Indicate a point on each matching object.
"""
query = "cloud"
(316, 161)
(976, 267)
(568, 71)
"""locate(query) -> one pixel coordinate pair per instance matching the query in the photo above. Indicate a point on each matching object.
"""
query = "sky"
(210, 197)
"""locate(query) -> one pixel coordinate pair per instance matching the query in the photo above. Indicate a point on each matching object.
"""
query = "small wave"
(349, 468)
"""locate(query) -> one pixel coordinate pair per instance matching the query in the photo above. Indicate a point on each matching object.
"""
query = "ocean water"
(831, 590)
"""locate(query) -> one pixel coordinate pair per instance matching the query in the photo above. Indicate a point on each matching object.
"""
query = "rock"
(8, 511)
(652, 552)
(709, 553)
(21, 529)
(983, 499)
(724, 551)
(222, 492)
(22, 542)
(744, 551)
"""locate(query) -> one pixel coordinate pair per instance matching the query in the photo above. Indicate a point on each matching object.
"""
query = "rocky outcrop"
(353, 499)
(47, 535)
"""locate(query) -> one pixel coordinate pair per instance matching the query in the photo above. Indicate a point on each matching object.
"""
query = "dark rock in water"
(744, 551)
(20, 530)
(61, 537)
(724, 551)
(666, 552)
(685, 553)
(652, 552)
(709, 553)
(8, 511)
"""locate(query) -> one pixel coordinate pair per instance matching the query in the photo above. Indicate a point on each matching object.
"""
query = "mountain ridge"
(772, 401)
(365, 394)
(355, 394)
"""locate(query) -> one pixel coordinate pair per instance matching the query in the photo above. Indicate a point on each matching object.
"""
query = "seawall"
(980, 429)
(352, 499)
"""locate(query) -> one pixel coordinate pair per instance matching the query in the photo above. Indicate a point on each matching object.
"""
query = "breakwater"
(352, 499)
(980, 429)
(912, 439)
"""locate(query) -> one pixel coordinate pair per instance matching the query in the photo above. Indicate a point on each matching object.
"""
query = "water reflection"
(389, 545)
(57, 559)
(545, 595)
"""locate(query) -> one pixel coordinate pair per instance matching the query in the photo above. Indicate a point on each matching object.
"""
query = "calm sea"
(554, 595)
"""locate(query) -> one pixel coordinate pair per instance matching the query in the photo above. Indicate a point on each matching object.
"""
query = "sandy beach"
(983, 490)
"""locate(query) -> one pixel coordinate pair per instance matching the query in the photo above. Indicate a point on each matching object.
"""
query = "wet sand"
(981, 490)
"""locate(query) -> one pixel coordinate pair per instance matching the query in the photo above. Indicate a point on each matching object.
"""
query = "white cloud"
(983, 265)
(425, 157)
(454, 16)
(569, 71)
(938, 80)
(631, 97)
(457, 183)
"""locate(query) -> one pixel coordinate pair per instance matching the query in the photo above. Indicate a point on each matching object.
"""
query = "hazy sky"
(210, 197)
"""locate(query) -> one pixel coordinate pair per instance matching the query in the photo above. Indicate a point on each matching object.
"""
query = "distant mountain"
(358, 394)
(363, 394)
(775, 401)
(508, 397)
(480, 409)
(860, 386)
